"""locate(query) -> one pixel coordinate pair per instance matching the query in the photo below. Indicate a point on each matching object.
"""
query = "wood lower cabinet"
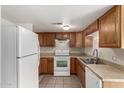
(80, 70)
(73, 66)
(50, 65)
(46, 66)
(43, 66)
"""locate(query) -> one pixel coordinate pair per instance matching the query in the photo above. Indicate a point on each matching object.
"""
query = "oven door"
(62, 63)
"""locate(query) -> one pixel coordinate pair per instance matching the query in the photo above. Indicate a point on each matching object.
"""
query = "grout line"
(55, 81)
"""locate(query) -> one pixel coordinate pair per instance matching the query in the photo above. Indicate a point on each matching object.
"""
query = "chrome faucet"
(95, 54)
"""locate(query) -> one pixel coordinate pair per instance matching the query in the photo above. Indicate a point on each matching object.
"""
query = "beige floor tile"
(59, 80)
(44, 82)
(58, 86)
(50, 81)
(67, 82)
(59, 83)
(42, 85)
(67, 86)
(49, 86)
(76, 86)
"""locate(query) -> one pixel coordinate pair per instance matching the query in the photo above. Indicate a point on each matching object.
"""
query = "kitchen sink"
(91, 60)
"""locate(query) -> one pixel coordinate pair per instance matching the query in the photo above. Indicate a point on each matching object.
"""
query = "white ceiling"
(41, 16)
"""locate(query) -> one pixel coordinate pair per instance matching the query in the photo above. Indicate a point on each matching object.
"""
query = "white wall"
(27, 26)
(115, 55)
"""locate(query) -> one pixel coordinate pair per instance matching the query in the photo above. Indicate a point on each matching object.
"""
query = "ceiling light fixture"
(66, 27)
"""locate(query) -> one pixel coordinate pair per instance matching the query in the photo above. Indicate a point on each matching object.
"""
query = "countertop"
(107, 73)
(104, 71)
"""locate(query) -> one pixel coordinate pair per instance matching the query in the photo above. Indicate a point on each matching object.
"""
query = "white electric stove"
(62, 59)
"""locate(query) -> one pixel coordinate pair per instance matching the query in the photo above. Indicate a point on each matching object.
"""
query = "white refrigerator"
(20, 58)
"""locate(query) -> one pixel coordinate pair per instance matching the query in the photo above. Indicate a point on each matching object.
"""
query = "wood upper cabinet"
(62, 35)
(92, 28)
(79, 40)
(46, 66)
(88, 41)
(46, 39)
(73, 66)
(83, 38)
(50, 39)
(110, 28)
(66, 35)
(41, 39)
(59, 35)
(122, 26)
(72, 39)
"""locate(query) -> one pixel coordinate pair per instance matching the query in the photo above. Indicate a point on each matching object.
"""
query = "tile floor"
(49, 81)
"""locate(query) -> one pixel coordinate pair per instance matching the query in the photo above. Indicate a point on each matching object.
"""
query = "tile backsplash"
(115, 55)
(52, 49)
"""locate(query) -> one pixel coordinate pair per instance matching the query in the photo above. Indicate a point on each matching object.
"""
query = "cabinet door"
(80, 71)
(50, 65)
(50, 39)
(46, 39)
(92, 28)
(72, 39)
(43, 66)
(73, 66)
(109, 28)
(66, 35)
(41, 38)
(77, 68)
(88, 41)
(59, 35)
(83, 77)
(79, 40)
(39, 68)
(83, 38)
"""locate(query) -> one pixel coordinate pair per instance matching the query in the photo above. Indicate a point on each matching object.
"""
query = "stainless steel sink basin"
(91, 60)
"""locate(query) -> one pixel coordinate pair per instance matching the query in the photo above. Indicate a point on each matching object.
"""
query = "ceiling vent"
(57, 23)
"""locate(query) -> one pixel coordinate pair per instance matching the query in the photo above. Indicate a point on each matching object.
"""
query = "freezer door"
(28, 72)
(26, 42)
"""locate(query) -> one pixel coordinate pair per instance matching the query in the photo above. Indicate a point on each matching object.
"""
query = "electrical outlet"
(114, 58)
